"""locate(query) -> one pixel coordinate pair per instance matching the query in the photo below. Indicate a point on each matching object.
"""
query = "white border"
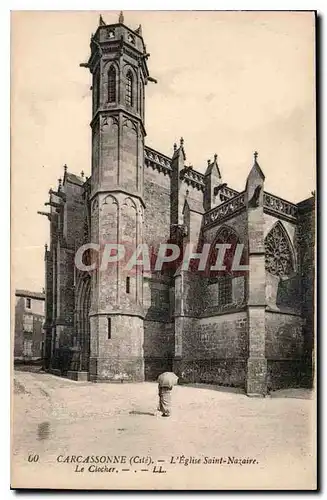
(5, 8)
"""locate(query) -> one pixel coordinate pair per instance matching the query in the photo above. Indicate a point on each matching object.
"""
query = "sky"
(228, 82)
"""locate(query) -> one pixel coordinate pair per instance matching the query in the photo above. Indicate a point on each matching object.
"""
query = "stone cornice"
(224, 211)
(117, 190)
(279, 207)
(157, 161)
(193, 178)
(272, 205)
(116, 111)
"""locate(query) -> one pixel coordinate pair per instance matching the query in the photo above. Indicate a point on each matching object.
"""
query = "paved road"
(266, 443)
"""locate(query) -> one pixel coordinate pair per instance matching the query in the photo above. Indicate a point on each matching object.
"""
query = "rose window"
(279, 258)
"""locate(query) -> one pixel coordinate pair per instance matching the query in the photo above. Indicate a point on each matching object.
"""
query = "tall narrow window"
(109, 328)
(129, 89)
(225, 294)
(27, 348)
(112, 84)
(128, 284)
(96, 91)
(141, 98)
(28, 303)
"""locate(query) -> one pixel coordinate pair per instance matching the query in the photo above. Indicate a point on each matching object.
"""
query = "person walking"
(166, 382)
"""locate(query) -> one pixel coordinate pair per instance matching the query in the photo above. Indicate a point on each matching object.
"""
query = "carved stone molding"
(225, 210)
(279, 206)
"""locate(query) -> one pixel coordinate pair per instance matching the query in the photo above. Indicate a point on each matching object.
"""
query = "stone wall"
(237, 223)
(65, 290)
(158, 348)
(158, 329)
(307, 247)
(190, 294)
(116, 348)
(157, 212)
(210, 296)
(214, 350)
(284, 350)
(156, 299)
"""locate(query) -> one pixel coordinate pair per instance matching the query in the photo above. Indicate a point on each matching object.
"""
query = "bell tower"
(119, 74)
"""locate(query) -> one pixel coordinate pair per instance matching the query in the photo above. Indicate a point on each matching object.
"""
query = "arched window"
(112, 84)
(225, 235)
(279, 256)
(141, 98)
(96, 91)
(227, 284)
(129, 89)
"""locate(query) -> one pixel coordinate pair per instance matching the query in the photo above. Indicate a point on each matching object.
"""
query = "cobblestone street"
(57, 417)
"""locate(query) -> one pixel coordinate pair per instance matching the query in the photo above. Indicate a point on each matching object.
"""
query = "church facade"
(251, 328)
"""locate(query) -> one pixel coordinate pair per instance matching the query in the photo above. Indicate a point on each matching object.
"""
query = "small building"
(29, 320)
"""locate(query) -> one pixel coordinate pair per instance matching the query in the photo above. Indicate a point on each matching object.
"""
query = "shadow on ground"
(33, 368)
(43, 430)
(297, 393)
(136, 412)
(293, 393)
(219, 388)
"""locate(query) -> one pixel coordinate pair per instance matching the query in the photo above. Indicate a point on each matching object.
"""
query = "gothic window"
(112, 84)
(129, 89)
(279, 257)
(109, 328)
(86, 231)
(141, 98)
(225, 294)
(226, 235)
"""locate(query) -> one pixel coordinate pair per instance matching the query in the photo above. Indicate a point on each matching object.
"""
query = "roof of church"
(74, 179)
(179, 150)
(211, 165)
(32, 295)
(194, 205)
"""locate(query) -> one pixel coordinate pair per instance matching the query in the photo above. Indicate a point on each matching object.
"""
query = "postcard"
(163, 250)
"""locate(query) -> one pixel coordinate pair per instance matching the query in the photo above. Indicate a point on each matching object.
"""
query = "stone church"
(252, 329)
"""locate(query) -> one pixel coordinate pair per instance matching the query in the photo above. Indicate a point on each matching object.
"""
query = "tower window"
(128, 284)
(109, 328)
(112, 84)
(28, 303)
(225, 294)
(141, 98)
(96, 91)
(129, 89)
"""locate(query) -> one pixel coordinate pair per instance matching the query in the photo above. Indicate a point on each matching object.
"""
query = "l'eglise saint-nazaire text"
(92, 459)
(181, 459)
